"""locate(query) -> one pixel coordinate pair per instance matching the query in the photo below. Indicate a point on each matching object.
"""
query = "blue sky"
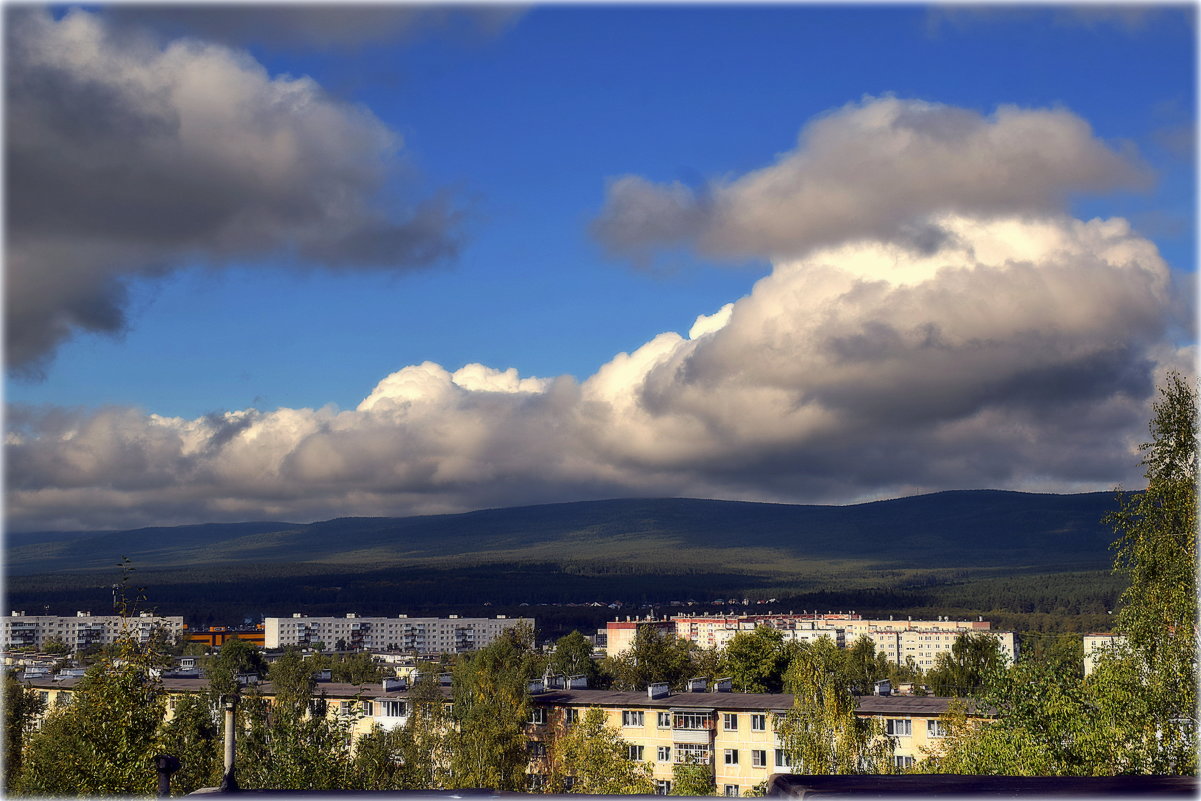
(519, 123)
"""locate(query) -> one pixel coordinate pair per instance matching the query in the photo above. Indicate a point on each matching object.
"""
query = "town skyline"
(309, 262)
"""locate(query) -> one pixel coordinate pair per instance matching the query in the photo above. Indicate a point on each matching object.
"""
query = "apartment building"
(1095, 645)
(84, 630)
(733, 733)
(422, 635)
(898, 640)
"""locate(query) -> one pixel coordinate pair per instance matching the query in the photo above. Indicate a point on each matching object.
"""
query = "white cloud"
(1022, 354)
(879, 168)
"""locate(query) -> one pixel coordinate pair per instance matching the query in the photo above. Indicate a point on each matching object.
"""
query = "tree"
(691, 779)
(756, 660)
(413, 757)
(863, 667)
(22, 708)
(102, 742)
(596, 757)
(55, 645)
(974, 658)
(653, 657)
(491, 706)
(821, 733)
(1157, 549)
(573, 657)
(193, 735)
(292, 743)
(236, 656)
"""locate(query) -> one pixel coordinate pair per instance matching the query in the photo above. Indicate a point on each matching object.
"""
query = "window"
(731, 756)
(664, 720)
(899, 728)
(569, 783)
(634, 752)
(692, 721)
(368, 708)
(731, 791)
(729, 721)
(631, 718)
(662, 787)
(693, 753)
(758, 722)
(936, 728)
(782, 759)
(537, 782)
(902, 761)
(664, 753)
(571, 716)
(393, 709)
(537, 749)
(538, 715)
(758, 758)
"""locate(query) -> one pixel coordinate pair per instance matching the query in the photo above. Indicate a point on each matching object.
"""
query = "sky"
(294, 262)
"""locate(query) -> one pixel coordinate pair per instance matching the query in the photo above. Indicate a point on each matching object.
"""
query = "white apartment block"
(84, 629)
(921, 640)
(1095, 645)
(423, 635)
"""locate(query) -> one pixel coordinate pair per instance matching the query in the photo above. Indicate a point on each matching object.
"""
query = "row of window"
(691, 721)
(690, 752)
(904, 728)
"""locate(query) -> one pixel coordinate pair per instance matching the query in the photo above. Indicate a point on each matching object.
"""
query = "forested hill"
(983, 528)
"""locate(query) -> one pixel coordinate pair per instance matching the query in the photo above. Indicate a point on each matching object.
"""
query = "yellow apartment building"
(734, 733)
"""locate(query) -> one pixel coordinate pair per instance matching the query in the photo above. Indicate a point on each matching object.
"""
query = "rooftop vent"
(699, 684)
(444, 679)
(577, 682)
(536, 686)
(725, 685)
(882, 687)
(395, 684)
(658, 690)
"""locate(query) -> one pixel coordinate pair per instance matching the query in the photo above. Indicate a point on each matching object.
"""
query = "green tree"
(863, 667)
(652, 658)
(491, 706)
(292, 743)
(102, 742)
(974, 658)
(573, 657)
(821, 733)
(595, 756)
(22, 708)
(193, 735)
(236, 656)
(1157, 549)
(55, 645)
(691, 779)
(756, 660)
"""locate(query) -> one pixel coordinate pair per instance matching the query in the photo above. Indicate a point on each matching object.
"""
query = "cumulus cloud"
(1021, 353)
(880, 168)
(126, 158)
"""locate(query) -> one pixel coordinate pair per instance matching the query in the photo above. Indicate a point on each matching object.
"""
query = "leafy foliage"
(593, 753)
(653, 657)
(821, 733)
(22, 707)
(573, 657)
(964, 670)
(491, 706)
(691, 779)
(193, 735)
(756, 660)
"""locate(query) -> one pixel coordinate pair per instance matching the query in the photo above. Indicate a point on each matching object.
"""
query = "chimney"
(577, 682)
(699, 684)
(725, 685)
(658, 690)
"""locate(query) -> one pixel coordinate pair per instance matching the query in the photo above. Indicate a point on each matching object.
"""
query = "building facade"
(84, 630)
(422, 635)
(732, 733)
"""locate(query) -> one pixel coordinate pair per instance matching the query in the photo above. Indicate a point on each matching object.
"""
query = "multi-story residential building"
(1095, 645)
(921, 640)
(84, 629)
(733, 733)
(422, 635)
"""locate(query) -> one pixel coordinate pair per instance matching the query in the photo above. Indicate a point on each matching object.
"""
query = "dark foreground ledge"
(793, 786)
